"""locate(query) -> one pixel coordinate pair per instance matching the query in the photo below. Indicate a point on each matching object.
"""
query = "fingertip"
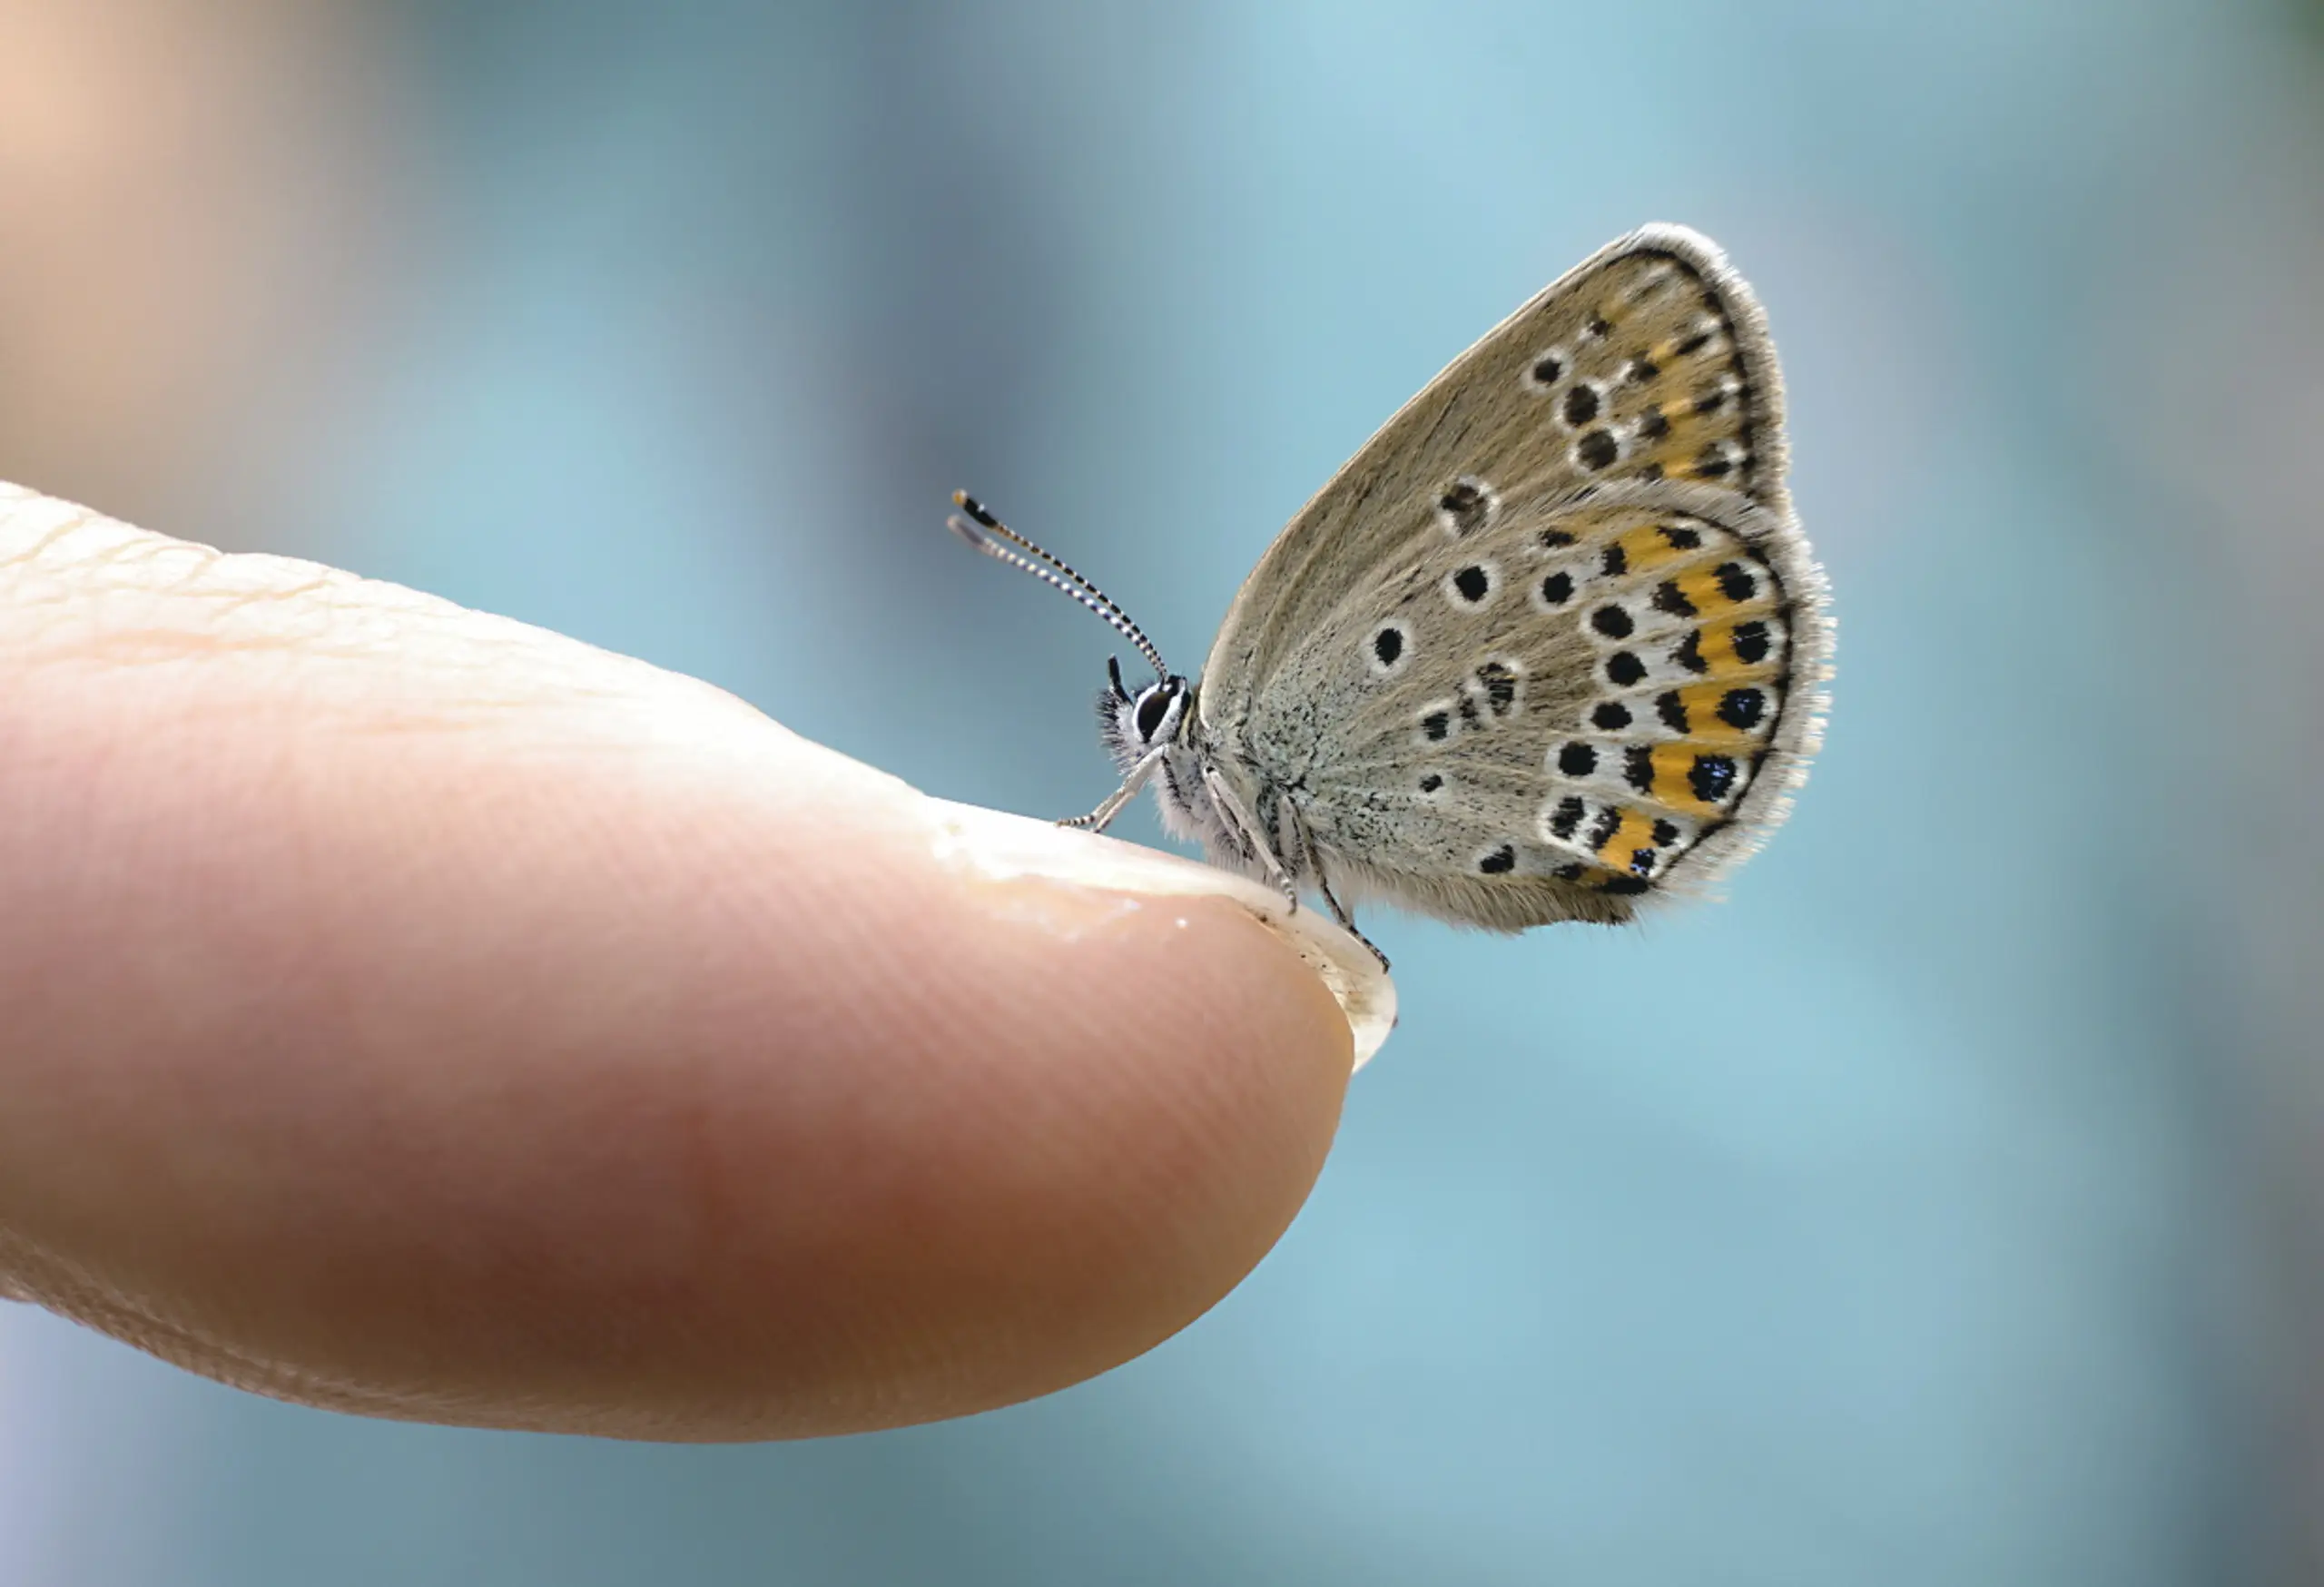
(1094, 1085)
(417, 1013)
(1000, 848)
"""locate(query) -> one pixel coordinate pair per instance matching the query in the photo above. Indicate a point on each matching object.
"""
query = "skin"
(406, 1011)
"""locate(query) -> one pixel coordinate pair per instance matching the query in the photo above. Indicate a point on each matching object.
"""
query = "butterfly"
(1549, 645)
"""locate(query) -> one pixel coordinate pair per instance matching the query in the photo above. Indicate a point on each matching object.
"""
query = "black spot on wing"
(1465, 505)
(1500, 685)
(1711, 777)
(1638, 768)
(1612, 622)
(1567, 816)
(1742, 708)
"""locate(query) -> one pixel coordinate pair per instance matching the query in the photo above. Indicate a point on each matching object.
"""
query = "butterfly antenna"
(985, 532)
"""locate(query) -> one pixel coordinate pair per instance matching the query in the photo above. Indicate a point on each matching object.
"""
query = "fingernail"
(1005, 847)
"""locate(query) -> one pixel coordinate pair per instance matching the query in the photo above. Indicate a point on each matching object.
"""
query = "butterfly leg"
(1247, 828)
(1102, 817)
(1347, 921)
(1312, 862)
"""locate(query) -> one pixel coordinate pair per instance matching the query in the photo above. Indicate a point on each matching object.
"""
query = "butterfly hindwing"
(1595, 696)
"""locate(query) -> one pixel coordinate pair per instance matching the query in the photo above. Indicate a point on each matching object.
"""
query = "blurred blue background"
(1944, 1208)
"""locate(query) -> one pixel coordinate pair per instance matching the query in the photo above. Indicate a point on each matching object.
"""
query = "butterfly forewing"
(1650, 360)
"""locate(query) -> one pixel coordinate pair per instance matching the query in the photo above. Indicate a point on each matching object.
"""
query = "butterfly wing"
(1551, 640)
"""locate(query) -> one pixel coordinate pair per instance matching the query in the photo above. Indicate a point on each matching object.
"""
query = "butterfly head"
(1134, 724)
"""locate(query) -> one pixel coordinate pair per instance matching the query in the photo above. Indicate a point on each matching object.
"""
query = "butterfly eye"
(1150, 711)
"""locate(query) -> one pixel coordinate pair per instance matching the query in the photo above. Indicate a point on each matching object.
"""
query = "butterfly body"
(1549, 645)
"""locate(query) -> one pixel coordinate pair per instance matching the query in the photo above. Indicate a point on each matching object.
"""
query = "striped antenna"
(985, 532)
